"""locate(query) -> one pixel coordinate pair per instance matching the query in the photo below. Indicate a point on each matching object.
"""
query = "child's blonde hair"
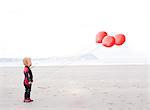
(27, 61)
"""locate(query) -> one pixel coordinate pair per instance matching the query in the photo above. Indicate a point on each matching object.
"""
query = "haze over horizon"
(42, 29)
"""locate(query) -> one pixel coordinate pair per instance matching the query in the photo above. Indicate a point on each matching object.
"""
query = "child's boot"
(30, 100)
(27, 100)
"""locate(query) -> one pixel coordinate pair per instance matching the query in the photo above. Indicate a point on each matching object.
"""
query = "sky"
(46, 28)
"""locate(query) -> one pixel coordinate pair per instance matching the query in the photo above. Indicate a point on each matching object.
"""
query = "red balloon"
(108, 41)
(100, 36)
(119, 39)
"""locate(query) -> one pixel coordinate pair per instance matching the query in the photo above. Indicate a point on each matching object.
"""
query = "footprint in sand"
(105, 93)
(109, 108)
(45, 106)
(9, 92)
(110, 103)
(54, 95)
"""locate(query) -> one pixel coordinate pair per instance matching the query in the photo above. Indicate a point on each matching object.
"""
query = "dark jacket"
(28, 75)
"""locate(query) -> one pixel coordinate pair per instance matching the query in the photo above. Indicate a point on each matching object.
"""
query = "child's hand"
(30, 82)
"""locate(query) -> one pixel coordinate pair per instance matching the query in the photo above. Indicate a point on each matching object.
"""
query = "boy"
(28, 79)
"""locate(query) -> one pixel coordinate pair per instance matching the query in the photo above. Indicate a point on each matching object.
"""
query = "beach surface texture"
(109, 87)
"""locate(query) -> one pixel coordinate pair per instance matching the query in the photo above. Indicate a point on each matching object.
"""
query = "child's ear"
(26, 61)
(29, 62)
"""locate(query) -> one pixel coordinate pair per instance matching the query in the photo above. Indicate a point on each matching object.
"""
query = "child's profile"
(28, 79)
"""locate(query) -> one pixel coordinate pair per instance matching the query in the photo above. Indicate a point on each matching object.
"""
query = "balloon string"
(69, 61)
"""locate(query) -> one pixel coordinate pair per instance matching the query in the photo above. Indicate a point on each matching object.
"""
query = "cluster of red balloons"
(109, 41)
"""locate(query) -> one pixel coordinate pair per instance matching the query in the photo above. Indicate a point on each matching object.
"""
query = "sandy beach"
(125, 87)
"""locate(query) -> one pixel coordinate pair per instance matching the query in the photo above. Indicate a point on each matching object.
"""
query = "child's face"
(29, 62)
